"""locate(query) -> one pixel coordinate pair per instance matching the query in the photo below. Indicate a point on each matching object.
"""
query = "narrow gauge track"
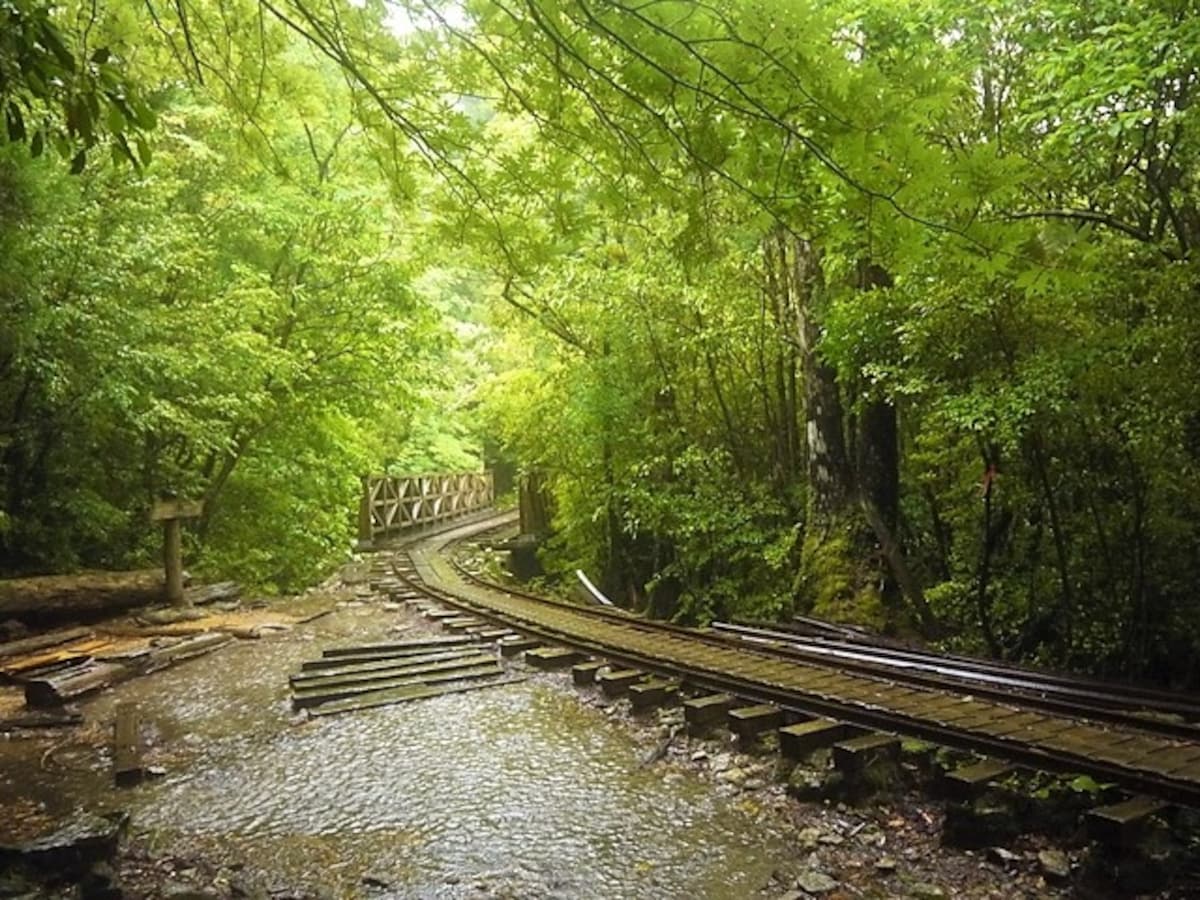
(813, 632)
(1136, 755)
(1101, 701)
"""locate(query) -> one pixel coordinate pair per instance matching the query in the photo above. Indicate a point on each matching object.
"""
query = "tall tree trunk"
(827, 463)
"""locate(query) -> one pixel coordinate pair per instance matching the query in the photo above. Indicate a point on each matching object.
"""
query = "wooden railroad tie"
(517, 646)
(799, 740)
(852, 756)
(617, 682)
(748, 722)
(968, 782)
(461, 624)
(585, 672)
(653, 693)
(702, 712)
(552, 657)
(1121, 824)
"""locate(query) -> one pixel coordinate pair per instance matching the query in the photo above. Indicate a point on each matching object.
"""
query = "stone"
(1002, 857)
(176, 890)
(1055, 865)
(733, 775)
(699, 755)
(831, 839)
(923, 890)
(72, 849)
(100, 883)
(885, 865)
(808, 838)
(816, 882)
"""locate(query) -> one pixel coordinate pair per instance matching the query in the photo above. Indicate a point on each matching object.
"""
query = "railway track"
(1108, 743)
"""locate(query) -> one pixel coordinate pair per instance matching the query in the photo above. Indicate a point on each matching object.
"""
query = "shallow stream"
(517, 791)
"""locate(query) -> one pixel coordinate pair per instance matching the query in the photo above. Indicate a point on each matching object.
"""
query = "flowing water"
(517, 791)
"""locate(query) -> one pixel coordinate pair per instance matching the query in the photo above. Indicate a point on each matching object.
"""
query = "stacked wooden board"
(370, 675)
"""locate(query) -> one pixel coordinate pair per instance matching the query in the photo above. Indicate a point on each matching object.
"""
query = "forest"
(886, 311)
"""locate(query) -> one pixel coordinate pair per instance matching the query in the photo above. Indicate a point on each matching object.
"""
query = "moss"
(834, 581)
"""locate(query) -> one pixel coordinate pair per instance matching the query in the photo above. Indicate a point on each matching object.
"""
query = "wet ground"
(516, 791)
(532, 790)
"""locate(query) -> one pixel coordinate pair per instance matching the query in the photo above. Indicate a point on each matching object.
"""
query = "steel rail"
(1067, 756)
(1056, 694)
(1080, 704)
(887, 647)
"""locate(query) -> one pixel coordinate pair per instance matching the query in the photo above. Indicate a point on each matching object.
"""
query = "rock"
(178, 890)
(831, 839)
(754, 784)
(73, 848)
(734, 776)
(375, 881)
(922, 890)
(699, 755)
(816, 882)
(1054, 864)
(885, 865)
(100, 883)
(720, 763)
(1001, 856)
(814, 785)
(809, 838)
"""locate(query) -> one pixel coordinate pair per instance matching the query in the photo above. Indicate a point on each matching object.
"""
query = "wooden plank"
(403, 695)
(164, 510)
(392, 662)
(79, 650)
(320, 685)
(57, 690)
(127, 746)
(41, 641)
(1173, 759)
(161, 657)
(318, 698)
(394, 646)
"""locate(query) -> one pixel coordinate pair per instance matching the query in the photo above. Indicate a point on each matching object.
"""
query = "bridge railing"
(390, 504)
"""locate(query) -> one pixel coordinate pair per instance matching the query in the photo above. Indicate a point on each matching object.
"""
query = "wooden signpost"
(171, 512)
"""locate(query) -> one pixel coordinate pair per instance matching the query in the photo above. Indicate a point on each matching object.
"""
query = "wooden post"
(170, 512)
(365, 532)
(173, 560)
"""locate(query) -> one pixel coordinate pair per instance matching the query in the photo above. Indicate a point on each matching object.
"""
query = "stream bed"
(516, 791)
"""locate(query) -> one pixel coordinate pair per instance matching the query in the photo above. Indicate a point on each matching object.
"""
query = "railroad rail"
(1137, 753)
